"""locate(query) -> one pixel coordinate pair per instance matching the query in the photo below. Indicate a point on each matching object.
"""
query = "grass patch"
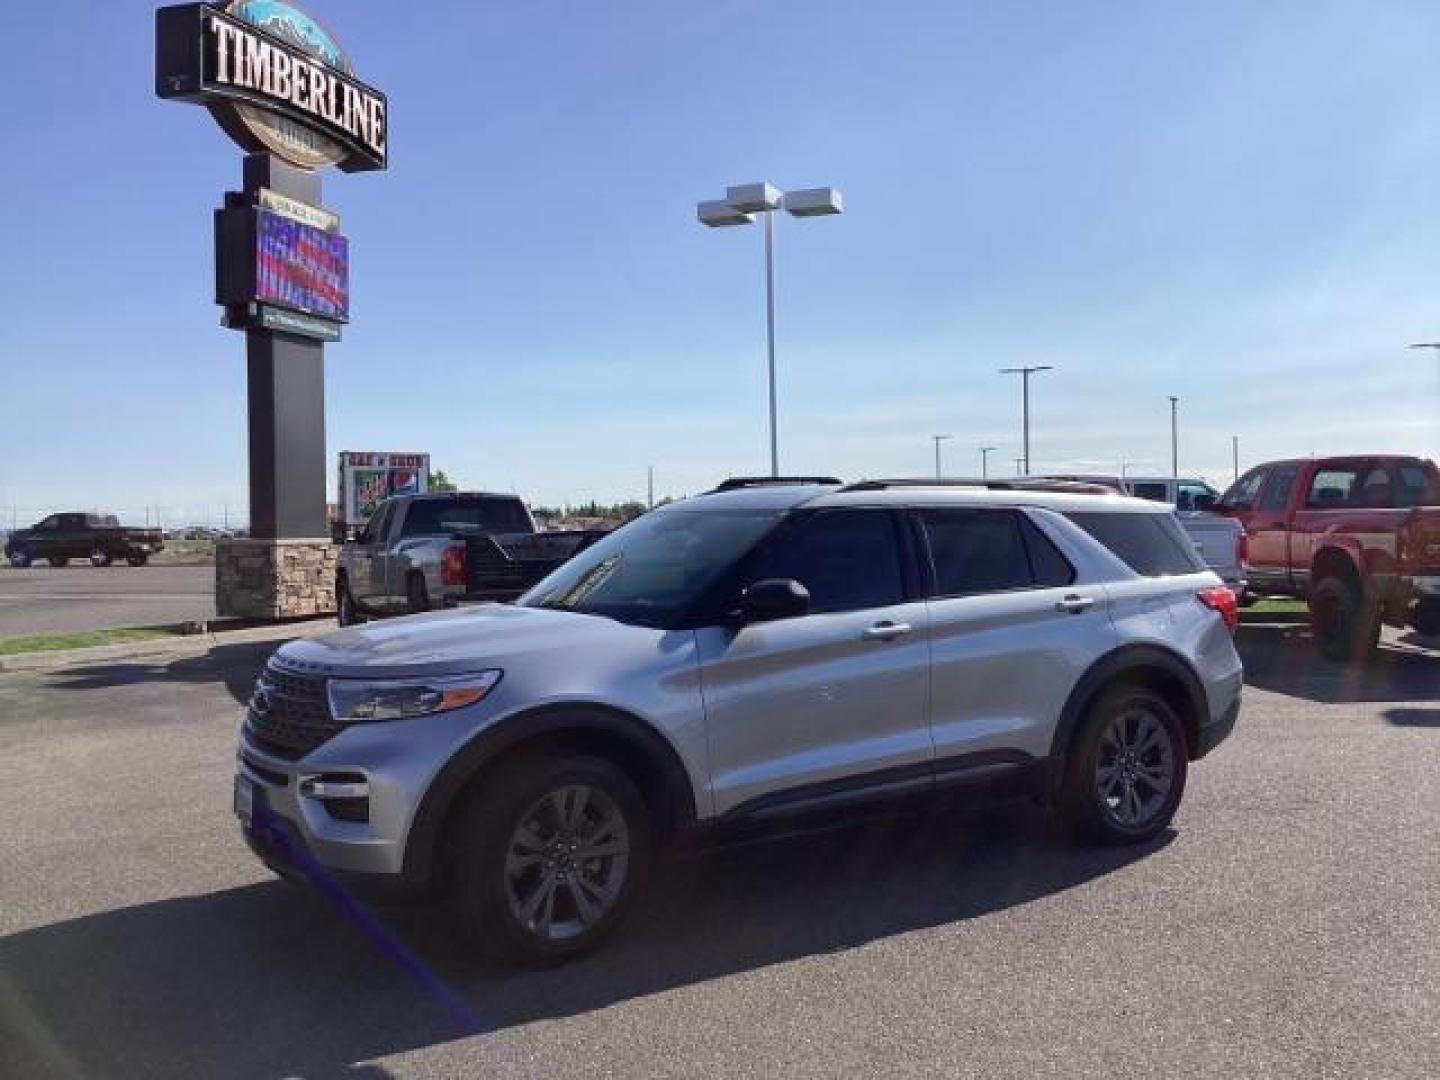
(52, 642)
(1277, 607)
(185, 551)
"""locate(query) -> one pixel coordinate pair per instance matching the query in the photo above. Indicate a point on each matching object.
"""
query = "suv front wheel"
(1126, 770)
(547, 856)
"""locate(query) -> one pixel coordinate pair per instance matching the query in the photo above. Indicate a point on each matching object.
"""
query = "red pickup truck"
(1358, 537)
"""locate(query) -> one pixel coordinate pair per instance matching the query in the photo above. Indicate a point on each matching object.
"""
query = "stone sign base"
(275, 579)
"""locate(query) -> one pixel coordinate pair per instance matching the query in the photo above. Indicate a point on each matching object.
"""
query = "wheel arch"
(650, 760)
(1150, 666)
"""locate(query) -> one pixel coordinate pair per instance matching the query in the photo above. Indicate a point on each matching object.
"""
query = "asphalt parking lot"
(60, 600)
(1287, 926)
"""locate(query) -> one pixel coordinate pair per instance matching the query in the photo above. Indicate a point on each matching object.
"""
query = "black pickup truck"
(97, 537)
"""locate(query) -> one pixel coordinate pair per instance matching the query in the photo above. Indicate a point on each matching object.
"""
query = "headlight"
(358, 700)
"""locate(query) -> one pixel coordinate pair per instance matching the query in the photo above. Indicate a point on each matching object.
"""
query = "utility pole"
(1174, 437)
(1025, 373)
(938, 439)
(650, 486)
(1235, 455)
(985, 462)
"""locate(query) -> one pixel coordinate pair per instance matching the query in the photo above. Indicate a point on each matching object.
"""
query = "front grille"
(289, 715)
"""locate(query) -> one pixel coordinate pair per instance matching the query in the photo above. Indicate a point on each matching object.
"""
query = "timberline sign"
(276, 81)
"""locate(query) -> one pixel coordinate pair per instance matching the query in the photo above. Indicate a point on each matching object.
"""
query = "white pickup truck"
(1219, 540)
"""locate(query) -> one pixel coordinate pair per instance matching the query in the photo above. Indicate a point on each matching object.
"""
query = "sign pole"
(287, 398)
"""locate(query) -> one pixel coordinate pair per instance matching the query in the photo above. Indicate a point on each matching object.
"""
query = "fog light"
(345, 796)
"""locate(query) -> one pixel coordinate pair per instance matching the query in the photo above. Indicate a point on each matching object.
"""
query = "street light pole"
(1235, 455)
(739, 207)
(985, 462)
(770, 336)
(1025, 373)
(1174, 438)
(938, 440)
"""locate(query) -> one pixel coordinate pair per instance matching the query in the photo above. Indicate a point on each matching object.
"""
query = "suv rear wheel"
(547, 857)
(1126, 769)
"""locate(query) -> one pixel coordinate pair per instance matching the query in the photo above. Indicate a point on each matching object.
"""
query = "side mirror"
(1204, 502)
(774, 598)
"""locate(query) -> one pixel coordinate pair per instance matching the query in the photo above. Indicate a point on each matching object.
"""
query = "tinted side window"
(1049, 568)
(1414, 487)
(1153, 492)
(1334, 486)
(1276, 495)
(380, 523)
(848, 559)
(976, 551)
(1241, 494)
(1153, 545)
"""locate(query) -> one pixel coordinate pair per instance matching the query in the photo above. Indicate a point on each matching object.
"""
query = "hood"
(447, 642)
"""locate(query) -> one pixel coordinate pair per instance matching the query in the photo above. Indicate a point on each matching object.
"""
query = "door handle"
(886, 631)
(1074, 605)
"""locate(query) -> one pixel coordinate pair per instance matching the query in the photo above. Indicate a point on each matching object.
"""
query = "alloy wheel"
(566, 862)
(1134, 767)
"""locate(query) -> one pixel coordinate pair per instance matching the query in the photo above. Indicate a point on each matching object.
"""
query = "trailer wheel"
(137, 558)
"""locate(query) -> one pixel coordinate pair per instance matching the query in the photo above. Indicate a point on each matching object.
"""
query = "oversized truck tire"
(1343, 621)
(1426, 619)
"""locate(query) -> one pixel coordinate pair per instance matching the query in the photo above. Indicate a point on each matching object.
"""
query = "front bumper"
(300, 834)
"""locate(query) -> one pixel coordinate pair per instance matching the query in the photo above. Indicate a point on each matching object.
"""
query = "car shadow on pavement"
(233, 666)
(265, 980)
(1283, 658)
(1407, 717)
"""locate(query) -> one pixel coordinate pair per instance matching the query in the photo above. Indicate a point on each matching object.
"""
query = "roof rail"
(1018, 483)
(735, 483)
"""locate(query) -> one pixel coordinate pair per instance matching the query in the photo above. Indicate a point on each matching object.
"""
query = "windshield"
(654, 569)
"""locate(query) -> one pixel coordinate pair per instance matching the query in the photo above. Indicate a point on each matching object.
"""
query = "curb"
(181, 645)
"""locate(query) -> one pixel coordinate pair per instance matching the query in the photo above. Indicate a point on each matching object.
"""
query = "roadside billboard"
(367, 478)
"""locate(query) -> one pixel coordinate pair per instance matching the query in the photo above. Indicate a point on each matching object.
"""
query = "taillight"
(452, 565)
(1242, 548)
(1221, 599)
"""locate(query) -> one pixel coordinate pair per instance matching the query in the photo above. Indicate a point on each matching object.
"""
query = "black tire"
(1095, 772)
(488, 897)
(1426, 618)
(100, 557)
(19, 558)
(59, 560)
(416, 595)
(1344, 624)
(137, 558)
(346, 613)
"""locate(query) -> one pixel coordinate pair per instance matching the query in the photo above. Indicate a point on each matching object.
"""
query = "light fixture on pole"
(739, 207)
(985, 452)
(1174, 437)
(1025, 373)
(938, 440)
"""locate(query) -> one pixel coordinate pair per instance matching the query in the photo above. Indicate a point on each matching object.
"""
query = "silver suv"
(755, 652)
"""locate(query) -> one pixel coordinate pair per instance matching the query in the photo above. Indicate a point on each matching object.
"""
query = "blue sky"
(1237, 203)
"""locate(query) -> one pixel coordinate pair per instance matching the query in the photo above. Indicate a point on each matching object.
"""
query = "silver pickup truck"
(1219, 540)
(420, 552)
